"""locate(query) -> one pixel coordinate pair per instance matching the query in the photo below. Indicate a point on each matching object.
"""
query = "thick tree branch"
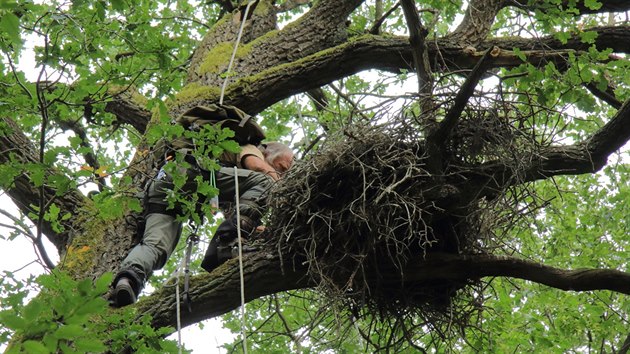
(461, 99)
(212, 293)
(607, 96)
(128, 107)
(477, 21)
(588, 156)
(461, 267)
(255, 93)
(419, 51)
(323, 26)
(17, 149)
(607, 5)
(613, 37)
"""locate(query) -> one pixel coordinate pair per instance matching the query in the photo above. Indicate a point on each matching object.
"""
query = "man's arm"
(255, 163)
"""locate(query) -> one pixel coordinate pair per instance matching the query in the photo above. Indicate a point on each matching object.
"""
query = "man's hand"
(254, 163)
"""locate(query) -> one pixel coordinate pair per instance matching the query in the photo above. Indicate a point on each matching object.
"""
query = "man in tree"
(257, 167)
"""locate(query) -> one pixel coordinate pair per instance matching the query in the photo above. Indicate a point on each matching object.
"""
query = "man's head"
(279, 156)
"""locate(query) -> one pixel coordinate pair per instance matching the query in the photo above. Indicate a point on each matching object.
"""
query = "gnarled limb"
(476, 23)
(212, 294)
(588, 156)
(419, 51)
(17, 148)
(256, 92)
(436, 139)
(462, 267)
(129, 110)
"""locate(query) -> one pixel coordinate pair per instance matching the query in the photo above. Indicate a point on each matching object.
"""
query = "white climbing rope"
(238, 40)
(177, 274)
(240, 260)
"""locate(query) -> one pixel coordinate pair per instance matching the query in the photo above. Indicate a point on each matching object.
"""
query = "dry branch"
(417, 36)
(437, 138)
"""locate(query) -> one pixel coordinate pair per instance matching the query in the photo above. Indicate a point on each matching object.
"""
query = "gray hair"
(273, 150)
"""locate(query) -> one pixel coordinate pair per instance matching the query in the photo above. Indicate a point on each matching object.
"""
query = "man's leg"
(160, 237)
(253, 189)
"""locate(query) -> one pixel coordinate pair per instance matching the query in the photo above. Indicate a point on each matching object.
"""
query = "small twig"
(607, 96)
(347, 98)
(17, 79)
(289, 331)
(90, 156)
(43, 107)
(376, 27)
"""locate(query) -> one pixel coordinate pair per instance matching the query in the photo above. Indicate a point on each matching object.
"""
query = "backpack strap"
(246, 130)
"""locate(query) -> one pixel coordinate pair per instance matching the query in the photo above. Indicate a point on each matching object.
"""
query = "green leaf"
(7, 5)
(94, 306)
(588, 37)
(84, 286)
(118, 5)
(230, 145)
(32, 310)
(103, 282)
(33, 347)
(12, 321)
(10, 24)
(100, 9)
(90, 345)
(69, 331)
(563, 37)
(592, 4)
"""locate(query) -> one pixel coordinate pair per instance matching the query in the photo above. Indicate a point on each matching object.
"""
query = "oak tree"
(459, 175)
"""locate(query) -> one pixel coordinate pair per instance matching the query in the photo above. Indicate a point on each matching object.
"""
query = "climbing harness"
(193, 240)
(184, 266)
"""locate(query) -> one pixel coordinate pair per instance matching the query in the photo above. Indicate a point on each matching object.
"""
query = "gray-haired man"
(257, 167)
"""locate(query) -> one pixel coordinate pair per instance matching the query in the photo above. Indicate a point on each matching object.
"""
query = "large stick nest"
(364, 205)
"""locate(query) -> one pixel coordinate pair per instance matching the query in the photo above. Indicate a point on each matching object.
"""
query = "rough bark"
(213, 294)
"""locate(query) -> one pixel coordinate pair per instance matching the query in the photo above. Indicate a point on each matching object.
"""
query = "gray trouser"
(162, 230)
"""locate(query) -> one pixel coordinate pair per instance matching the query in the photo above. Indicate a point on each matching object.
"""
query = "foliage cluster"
(71, 316)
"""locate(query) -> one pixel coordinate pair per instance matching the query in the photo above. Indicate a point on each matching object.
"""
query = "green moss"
(81, 255)
(130, 93)
(218, 57)
(195, 91)
(263, 8)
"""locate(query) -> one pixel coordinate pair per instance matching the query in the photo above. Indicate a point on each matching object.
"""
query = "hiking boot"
(123, 292)
(246, 247)
(224, 250)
